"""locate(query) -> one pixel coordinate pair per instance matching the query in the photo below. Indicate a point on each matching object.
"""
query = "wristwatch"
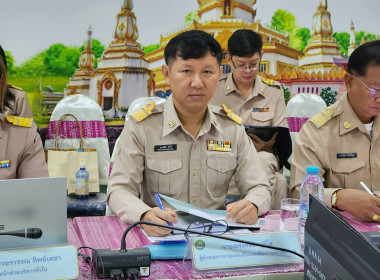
(334, 200)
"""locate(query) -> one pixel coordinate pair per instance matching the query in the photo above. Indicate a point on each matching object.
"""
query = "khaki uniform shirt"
(22, 146)
(265, 105)
(338, 143)
(158, 155)
(21, 105)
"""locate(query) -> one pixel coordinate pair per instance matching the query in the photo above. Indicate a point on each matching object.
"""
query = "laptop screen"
(33, 207)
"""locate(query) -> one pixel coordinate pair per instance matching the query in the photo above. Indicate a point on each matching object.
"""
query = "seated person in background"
(16, 101)
(344, 140)
(258, 101)
(184, 148)
(21, 151)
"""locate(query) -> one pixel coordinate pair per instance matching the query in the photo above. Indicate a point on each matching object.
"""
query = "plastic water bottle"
(81, 184)
(311, 184)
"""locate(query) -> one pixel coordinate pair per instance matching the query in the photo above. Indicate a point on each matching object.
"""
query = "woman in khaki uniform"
(21, 151)
(344, 141)
(15, 100)
(184, 148)
(258, 101)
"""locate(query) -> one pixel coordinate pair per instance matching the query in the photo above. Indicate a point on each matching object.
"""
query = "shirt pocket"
(164, 175)
(347, 173)
(219, 173)
(262, 118)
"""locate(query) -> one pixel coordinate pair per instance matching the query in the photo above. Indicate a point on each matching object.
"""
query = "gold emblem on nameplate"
(217, 145)
(347, 125)
(171, 123)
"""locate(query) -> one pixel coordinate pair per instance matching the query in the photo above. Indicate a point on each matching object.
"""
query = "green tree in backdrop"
(329, 95)
(10, 62)
(191, 16)
(285, 21)
(343, 40)
(362, 34)
(151, 48)
(286, 93)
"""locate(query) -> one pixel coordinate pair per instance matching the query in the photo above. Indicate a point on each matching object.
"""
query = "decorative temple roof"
(352, 45)
(335, 73)
(126, 27)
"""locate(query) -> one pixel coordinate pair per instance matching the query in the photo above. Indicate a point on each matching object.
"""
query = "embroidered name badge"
(165, 148)
(258, 109)
(347, 155)
(5, 163)
(220, 146)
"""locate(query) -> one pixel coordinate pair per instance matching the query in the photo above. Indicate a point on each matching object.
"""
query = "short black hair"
(363, 57)
(193, 44)
(245, 43)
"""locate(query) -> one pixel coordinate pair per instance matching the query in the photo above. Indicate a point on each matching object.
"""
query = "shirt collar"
(258, 87)
(172, 121)
(348, 120)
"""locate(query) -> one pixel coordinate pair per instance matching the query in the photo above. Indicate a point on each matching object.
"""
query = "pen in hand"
(366, 188)
(157, 197)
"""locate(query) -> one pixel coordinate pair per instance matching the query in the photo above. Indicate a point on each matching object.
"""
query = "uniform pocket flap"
(222, 164)
(346, 165)
(262, 116)
(163, 165)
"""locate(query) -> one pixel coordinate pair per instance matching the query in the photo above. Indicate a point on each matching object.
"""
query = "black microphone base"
(134, 263)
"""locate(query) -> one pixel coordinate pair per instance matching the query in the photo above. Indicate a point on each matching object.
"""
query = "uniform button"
(373, 167)
(194, 173)
(195, 200)
(222, 169)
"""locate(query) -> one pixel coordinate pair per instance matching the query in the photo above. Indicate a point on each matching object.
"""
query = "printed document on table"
(208, 214)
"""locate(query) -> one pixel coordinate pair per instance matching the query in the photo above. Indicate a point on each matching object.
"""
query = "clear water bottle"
(311, 184)
(81, 184)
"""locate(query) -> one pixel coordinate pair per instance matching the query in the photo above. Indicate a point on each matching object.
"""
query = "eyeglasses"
(218, 227)
(244, 67)
(374, 92)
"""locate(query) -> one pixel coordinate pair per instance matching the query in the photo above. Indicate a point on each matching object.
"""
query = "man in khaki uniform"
(344, 141)
(184, 148)
(21, 152)
(258, 101)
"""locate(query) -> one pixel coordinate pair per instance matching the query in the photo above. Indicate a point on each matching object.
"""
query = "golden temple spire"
(126, 27)
(87, 59)
(88, 46)
(352, 45)
(322, 20)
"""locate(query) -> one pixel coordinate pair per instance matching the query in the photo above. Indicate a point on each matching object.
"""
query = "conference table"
(106, 232)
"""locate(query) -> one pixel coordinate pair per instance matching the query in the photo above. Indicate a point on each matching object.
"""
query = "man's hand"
(359, 203)
(243, 211)
(158, 216)
(260, 145)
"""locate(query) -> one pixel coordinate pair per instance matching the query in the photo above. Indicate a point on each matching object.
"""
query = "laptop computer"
(33, 212)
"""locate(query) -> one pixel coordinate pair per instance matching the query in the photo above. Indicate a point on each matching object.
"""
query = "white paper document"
(208, 214)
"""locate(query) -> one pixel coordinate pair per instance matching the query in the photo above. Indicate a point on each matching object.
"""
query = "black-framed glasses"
(374, 92)
(243, 68)
(218, 227)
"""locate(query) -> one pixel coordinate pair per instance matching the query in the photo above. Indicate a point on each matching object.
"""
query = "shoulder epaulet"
(231, 115)
(144, 112)
(268, 81)
(323, 117)
(223, 77)
(12, 86)
(19, 121)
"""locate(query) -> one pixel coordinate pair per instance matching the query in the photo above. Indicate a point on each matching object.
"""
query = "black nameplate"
(347, 155)
(165, 148)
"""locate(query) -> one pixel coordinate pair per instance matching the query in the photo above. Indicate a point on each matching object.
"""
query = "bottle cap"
(312, 169)
(82, 163)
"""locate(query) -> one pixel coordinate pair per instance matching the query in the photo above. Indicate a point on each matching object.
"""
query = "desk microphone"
(33, 233)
